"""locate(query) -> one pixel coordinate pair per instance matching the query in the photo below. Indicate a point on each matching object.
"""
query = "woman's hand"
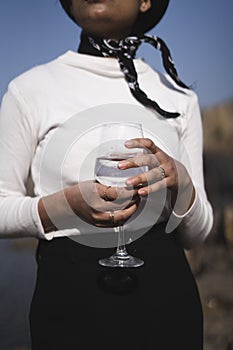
(164, 172)
(94, 202)
(98, 205)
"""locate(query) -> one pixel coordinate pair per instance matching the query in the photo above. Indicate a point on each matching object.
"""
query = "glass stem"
(121, 249)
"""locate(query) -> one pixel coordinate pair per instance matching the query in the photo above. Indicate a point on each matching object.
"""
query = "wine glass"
(111, 151)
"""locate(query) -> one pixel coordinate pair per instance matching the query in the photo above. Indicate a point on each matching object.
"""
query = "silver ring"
(105, 196)
(163, 173)
(112, 217)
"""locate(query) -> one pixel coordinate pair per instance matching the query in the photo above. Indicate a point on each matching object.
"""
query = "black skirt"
(78, 304)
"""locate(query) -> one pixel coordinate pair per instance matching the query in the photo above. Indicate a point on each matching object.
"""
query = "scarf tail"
(125, 51)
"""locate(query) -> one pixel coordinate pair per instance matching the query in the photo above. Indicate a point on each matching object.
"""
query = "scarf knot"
(109, 47)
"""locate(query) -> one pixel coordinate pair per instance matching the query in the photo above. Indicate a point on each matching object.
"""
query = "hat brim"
(145, 21)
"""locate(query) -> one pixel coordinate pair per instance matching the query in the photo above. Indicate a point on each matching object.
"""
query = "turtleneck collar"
(86, 48)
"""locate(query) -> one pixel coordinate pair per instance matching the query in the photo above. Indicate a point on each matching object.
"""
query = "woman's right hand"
(92, 202)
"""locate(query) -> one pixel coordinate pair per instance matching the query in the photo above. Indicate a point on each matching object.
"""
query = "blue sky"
(199, 34)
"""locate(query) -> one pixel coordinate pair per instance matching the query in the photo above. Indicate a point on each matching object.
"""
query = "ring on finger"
(112, 217)
(163, 173)
(105, 195)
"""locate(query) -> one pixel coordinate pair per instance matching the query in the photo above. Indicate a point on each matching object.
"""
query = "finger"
(155, 187)
(153, 175)
(107, 219)
(149, 160)
(117, 198)
(115, 205)
(145, 143)
(124, 193)
(122, 204)
(109, 193)
(121, 216)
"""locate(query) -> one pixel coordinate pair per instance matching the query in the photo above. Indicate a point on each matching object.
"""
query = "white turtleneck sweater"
(40, 102)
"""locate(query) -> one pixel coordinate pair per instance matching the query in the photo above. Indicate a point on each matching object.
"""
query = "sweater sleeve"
(195, 225)
(18, 141)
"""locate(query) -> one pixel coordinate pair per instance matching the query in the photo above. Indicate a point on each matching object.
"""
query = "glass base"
(117, 260)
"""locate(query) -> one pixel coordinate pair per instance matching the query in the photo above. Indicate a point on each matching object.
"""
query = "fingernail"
(141, 192)
(122, 165)
(129, 182)
(128, 143)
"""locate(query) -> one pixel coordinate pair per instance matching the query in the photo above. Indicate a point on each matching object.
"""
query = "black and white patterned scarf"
(125, 50)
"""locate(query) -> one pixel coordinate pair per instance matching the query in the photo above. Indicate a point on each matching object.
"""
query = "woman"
(78, 304)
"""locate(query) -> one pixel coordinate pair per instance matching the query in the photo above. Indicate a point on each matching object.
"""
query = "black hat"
(145, 22)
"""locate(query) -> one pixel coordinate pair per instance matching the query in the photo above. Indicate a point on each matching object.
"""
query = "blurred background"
(199, 34)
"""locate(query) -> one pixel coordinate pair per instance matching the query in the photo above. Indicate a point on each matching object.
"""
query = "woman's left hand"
(164, 172)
